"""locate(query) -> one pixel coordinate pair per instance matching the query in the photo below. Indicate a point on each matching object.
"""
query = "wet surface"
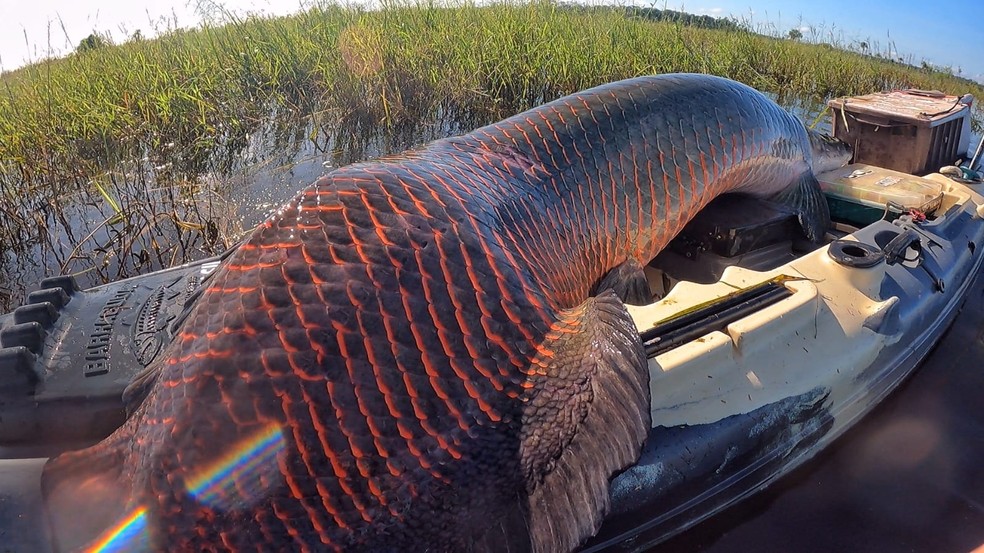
(909, 477)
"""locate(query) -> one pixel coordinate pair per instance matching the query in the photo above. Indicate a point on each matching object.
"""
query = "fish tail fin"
(806, 198)
(86, 492)
(586, 418)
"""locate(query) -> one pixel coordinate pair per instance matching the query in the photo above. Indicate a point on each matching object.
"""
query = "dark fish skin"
(419, 331)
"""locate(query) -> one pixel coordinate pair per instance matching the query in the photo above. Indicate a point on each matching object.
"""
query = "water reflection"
(123, 224)
(173, 207)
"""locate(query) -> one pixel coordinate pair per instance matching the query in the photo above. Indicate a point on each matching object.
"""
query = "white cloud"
(30, 31)
(716, 12)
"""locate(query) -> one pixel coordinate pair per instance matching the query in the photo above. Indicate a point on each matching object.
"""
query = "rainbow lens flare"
(130, 534)
(240, 476)
(235, 479)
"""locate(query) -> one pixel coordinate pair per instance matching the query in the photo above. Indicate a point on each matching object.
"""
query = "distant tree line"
(98, 40)
(654, 14)
(93, 42)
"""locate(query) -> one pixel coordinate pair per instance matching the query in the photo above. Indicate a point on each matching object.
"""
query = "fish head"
(828, 153)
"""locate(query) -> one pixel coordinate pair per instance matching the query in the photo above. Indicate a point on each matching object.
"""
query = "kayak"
(753, 399)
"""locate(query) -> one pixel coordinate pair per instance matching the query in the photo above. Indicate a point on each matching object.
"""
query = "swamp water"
(144, 215)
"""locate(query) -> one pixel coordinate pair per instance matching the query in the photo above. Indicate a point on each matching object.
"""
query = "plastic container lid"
(878, 187)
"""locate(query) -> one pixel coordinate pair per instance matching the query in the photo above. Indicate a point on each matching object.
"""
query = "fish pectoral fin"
(807, 199)
(628, 281)
(85, 493)
(585, 418)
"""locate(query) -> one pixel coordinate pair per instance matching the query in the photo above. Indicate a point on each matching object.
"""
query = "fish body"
(422, 352)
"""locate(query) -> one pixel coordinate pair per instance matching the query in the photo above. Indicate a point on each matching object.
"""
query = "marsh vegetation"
(123, 158)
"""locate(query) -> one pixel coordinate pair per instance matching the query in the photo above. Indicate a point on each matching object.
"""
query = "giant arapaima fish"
(429, 352)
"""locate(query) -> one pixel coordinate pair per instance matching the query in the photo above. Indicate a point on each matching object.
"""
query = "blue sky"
(946, 33)
(942, 33)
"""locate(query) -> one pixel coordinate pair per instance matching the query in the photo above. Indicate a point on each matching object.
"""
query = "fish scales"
(416, 334)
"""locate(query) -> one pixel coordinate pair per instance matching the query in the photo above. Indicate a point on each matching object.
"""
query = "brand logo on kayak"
(97, 350)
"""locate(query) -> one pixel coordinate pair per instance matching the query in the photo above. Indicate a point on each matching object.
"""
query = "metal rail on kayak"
(713, 315)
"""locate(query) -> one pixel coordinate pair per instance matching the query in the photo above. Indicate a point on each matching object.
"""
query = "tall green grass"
(184, 95)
